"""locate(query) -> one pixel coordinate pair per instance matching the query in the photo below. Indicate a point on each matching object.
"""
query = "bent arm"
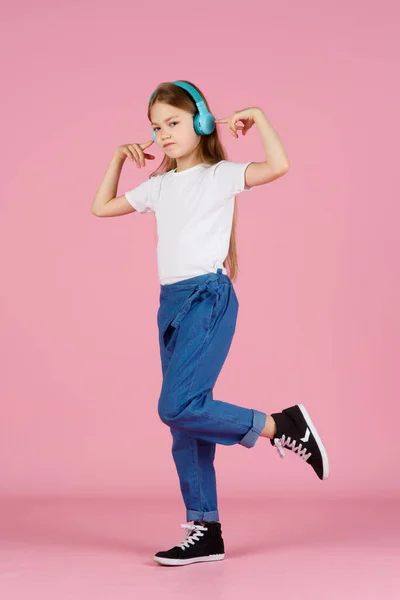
(275, 154)
(276, 161)
(107, 189)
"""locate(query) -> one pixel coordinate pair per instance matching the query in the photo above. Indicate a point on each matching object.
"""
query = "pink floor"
(289, 548)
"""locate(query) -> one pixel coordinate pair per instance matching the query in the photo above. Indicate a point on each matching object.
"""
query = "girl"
(192, 194)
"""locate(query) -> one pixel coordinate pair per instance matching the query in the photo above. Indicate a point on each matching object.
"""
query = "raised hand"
(247, 116)
(135, 152)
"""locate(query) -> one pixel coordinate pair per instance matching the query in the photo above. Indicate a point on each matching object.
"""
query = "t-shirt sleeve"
(142, 197)
(230, 177)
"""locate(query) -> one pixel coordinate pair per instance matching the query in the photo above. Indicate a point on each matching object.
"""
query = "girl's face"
(175, 125)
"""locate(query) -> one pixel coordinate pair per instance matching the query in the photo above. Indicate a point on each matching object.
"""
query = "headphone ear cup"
(196, 124)
(206, 125)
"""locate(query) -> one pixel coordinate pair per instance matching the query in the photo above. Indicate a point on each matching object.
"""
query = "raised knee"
(167, 418)
(165, 414)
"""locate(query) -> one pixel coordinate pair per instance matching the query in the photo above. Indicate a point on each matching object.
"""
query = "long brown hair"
(210, 151)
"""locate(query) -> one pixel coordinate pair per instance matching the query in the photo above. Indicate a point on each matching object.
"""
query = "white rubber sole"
(324, 454)
(187, 561)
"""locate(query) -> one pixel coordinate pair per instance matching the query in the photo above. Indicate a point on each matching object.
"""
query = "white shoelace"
(291, 444)
(192, 538)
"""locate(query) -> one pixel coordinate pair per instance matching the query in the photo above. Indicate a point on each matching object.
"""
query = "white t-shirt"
(194, 212)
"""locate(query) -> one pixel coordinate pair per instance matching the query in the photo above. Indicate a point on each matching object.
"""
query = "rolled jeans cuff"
(198, 515)
(259, 420)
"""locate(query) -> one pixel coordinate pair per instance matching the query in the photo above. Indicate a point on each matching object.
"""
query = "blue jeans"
(196, 322)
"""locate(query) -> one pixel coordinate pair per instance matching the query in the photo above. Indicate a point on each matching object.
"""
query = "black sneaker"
(296, 431)
(202, 543)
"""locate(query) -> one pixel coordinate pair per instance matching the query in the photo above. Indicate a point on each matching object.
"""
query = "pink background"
(318, 253)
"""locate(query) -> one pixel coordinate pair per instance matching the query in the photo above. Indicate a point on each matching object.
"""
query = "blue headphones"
(203, 121)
